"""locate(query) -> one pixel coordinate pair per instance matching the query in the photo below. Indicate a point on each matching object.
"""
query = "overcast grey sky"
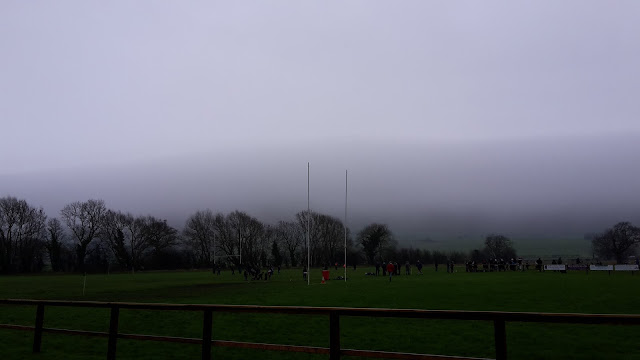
(453, 117)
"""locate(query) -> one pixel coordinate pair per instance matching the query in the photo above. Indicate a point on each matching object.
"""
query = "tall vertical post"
(345, 225)
(334, 336)
(37, 333)
(308, 242)
(113, 333)
(206, 335)
(500, 334)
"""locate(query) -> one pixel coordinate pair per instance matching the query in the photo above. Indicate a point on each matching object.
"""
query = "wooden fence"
(334, 350)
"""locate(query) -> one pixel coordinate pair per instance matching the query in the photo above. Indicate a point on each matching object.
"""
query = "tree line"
(87, 236)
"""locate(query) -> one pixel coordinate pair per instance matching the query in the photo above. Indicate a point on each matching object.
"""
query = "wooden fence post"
(500, 334)
(206, 335)
(113, 333)
(37, 333)
(334, 336)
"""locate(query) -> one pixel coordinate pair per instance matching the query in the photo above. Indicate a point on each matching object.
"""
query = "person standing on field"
(390, 270)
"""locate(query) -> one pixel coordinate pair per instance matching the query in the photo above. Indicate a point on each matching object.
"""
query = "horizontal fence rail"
(334, 350)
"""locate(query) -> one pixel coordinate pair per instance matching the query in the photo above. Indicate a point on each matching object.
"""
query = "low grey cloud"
(556, 188)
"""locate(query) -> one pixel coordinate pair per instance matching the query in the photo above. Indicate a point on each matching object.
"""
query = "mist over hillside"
(544, 194)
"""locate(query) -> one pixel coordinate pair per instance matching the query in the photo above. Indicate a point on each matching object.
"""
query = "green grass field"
(617, 293)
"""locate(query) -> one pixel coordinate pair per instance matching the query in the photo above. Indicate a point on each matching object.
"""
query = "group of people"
(250, 272)
(393, 268)
(498, 265)
(257, 274)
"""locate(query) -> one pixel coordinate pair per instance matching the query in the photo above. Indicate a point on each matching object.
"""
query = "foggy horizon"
(449, 192)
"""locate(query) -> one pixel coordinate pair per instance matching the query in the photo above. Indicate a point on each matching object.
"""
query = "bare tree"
(199, 233)
(265, 243)
(276, 253)
(250, 234)
(125, 235)
(22, 233)
(331, 236)
(162, 240)
(113, 235)
(159, 234)
(55, 243)
(85, 220)
(227, 240)
(374, 238)
(138, 244)
(499, 247)
(326, 237)
(617, 243)
(291, 236)
(313, 247)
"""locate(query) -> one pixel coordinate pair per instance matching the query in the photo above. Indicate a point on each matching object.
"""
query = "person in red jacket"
(390, 269)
